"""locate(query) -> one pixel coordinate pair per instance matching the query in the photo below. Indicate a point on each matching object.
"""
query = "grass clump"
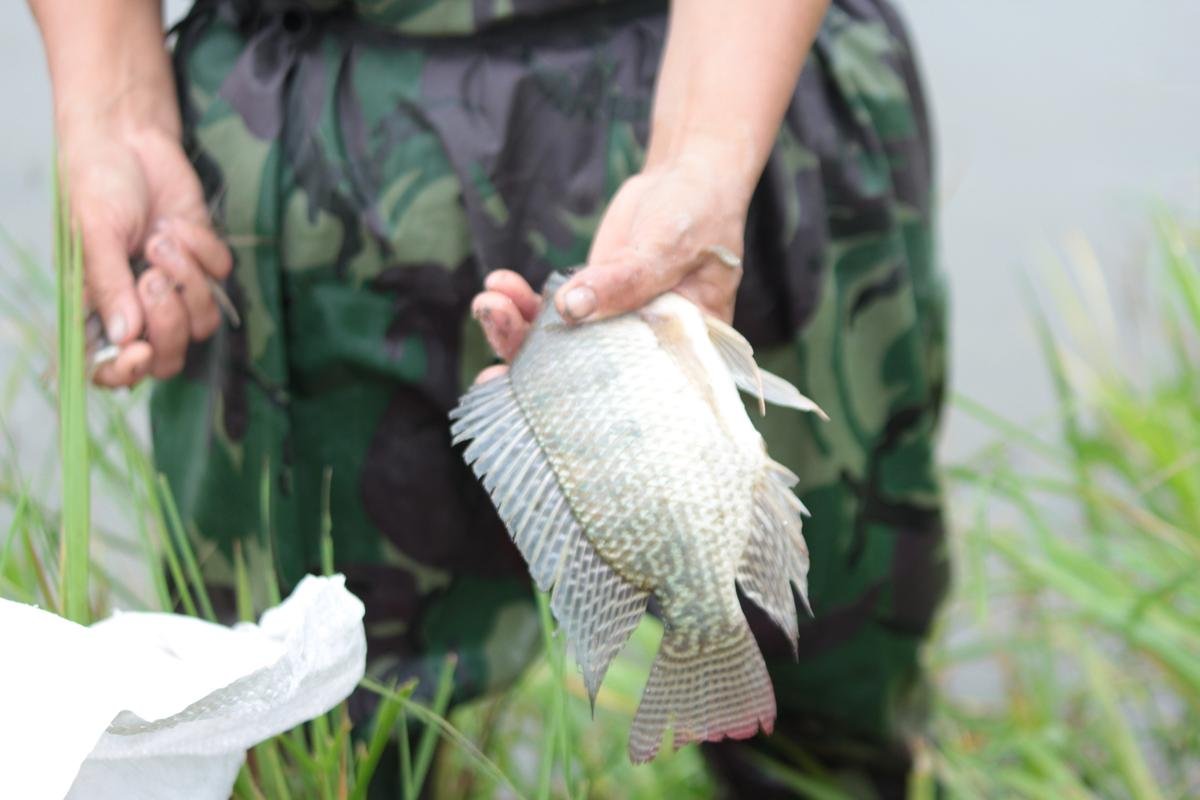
(1080, 567)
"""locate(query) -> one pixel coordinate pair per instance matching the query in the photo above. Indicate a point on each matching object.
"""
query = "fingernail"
(162, 248)
(157, 286)
(579, 303)
(116, 328)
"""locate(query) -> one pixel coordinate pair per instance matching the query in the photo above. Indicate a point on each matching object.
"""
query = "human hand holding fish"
(621, 459)
(672, 227)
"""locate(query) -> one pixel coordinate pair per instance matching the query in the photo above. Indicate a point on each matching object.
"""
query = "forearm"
(108, 64)
(727, 76)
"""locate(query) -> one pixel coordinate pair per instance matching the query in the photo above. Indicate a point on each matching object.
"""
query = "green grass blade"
(556, 659)
(271, 772)
(425, 747)
(451, 734)
(1115, 730)
(183, 546)
(383, 727)
(326, 522)
(806, 785)
(402, 734)
(244, 787)
(1181, 270)
(267, 531)
(72, 414)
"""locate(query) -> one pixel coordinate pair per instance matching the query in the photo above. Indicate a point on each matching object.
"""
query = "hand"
(133, 191)
(677, 227)
(669, 228)
(505, 309)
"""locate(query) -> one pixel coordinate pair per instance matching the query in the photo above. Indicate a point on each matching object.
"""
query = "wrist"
(729, 162)
(109, 67)
(126, 101)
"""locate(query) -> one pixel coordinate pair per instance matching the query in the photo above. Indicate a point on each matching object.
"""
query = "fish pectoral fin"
(779, 392)
(776, 556)
(596, 608)
(738, 356)
(719, 690)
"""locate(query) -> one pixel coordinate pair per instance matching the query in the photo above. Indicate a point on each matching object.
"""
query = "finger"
(501, 321)
(110, 283)
(494, 371)
(178, 264)
(604, 290)
(202, 243)
(166, 322)
(130, 366)
(505, 281)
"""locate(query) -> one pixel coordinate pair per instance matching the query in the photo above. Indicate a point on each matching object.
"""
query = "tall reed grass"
(75, 556)
(1079, 552)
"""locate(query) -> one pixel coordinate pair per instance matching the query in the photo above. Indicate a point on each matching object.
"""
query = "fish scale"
(624, 464)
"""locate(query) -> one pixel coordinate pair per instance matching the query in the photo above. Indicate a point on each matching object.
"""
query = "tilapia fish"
(622, 461)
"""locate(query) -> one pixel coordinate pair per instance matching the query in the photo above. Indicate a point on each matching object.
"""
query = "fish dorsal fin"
(596, 608)
(776, 557)
(738, 356)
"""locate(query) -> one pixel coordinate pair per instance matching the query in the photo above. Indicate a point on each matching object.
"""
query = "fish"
(623, 462)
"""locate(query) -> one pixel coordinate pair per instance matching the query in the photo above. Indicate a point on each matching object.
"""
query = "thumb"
(611, 288)
(110, 285)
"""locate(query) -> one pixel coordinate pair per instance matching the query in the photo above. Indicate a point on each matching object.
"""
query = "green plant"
(1081, 566)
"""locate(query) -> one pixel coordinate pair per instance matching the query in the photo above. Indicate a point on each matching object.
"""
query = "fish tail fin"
(721, 690)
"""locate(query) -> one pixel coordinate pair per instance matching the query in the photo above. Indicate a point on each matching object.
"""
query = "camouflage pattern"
(368, 180)
(445, 17)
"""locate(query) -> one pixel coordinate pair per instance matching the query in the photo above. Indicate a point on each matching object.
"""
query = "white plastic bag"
(161, 705)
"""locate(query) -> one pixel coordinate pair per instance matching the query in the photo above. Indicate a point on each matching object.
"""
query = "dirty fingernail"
(579, 303)
(116, 328)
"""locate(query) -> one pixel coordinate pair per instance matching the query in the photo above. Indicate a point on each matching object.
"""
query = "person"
(361, 175)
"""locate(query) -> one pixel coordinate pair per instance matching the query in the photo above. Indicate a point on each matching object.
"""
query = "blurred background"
(1069, 168)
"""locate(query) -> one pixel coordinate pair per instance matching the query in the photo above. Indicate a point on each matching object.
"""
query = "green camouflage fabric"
(445, 17)
(368, 180)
